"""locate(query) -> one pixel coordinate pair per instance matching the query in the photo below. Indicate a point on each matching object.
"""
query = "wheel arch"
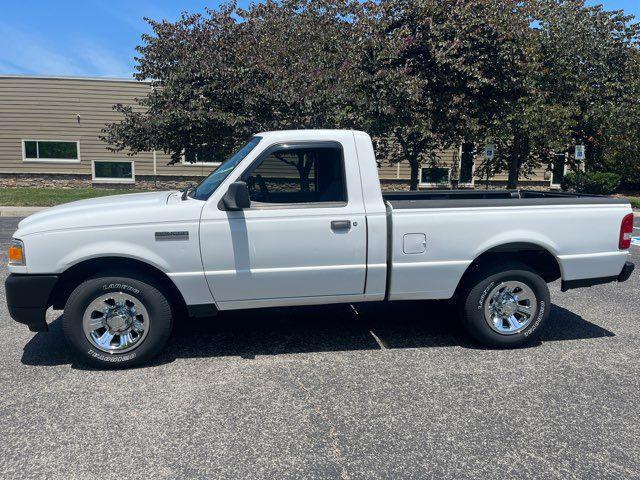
(75, 274)
(538, 257)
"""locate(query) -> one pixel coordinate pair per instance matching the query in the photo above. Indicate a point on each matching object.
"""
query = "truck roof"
(308, 134)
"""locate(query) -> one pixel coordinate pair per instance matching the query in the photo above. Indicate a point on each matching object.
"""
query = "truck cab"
(310, 203)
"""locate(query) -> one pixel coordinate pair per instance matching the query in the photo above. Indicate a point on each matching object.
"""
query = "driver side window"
(301, 175)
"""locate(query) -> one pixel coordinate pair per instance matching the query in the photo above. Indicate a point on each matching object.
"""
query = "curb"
(9, 211)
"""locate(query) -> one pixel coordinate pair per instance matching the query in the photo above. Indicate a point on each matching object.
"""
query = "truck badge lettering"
(168, 236)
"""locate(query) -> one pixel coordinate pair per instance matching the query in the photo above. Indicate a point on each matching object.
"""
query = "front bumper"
(28, 299)
(624, 275)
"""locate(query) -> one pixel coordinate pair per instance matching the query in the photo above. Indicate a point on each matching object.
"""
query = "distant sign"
(635, 241)
(489, 152)
(580, 152)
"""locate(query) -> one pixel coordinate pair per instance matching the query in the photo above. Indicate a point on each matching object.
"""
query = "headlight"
(16, 252)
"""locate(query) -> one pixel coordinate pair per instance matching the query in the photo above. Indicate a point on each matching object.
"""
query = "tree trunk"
(514, 165)
(593, 154)
(514, 172)
(415, 170)
(304, 169)
(514, 162)
(412, 157)
(304, 184)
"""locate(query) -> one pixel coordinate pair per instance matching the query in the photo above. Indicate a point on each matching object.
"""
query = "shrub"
(635, 201)
(596, 183)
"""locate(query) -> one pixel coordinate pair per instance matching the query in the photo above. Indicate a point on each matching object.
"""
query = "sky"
(98, 38)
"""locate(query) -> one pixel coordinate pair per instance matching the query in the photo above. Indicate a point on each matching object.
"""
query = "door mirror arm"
(237, 197)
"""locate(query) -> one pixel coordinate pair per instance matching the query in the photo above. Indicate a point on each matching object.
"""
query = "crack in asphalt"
(335, 450)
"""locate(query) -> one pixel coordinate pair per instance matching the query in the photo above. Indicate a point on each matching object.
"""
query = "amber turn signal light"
(16, 252)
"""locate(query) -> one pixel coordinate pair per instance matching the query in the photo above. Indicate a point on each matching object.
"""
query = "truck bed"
(436, 234)
(490, 198)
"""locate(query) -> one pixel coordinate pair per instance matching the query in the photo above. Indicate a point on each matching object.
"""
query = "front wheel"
(506, 306)
(116, 321)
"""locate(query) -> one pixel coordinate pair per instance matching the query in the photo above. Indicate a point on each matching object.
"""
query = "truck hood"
(96, 212)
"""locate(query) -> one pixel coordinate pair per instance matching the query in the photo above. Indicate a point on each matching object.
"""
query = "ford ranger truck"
(298, 218)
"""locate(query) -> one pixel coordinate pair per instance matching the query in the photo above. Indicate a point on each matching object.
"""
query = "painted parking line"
(378, 340)
(381, 344)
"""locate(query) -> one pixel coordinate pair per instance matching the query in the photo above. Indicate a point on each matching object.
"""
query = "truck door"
(303, 237)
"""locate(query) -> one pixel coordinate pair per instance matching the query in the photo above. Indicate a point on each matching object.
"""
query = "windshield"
(209, 185)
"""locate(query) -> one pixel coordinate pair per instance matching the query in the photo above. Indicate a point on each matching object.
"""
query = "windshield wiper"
(185, 191)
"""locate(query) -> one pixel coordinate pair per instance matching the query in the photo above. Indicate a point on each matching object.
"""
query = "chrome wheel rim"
(510, 307)
(115, 322)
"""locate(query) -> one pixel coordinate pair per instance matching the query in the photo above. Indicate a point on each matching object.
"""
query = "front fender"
(112, 249)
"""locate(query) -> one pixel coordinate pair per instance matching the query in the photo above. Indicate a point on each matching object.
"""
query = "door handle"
(340, 224)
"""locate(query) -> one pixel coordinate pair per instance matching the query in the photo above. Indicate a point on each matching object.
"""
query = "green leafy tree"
(576, 87)
(589, 60)
(533, 77)
(298, 59)
(298, 55)
(220, 77)
(433, 71)
(526, 134)
(530, 124)
(198, 99)
(621, 152)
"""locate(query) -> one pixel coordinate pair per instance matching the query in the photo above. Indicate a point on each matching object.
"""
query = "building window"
(435, 176)
(113, 171)
(58, 151)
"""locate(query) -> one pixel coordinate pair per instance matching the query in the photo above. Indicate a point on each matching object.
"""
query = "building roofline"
(63, 77)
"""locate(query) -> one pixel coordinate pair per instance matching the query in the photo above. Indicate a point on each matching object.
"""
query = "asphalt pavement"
(390, 391)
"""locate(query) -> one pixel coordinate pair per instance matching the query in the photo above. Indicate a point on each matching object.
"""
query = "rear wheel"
(116, 321)
(505, 305)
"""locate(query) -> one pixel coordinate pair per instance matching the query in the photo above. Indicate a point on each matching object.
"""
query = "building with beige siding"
(50, 129)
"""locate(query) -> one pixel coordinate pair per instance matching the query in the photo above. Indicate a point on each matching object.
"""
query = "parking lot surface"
(390, 391)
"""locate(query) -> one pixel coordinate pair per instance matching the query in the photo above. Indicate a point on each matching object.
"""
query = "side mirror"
(237, 197)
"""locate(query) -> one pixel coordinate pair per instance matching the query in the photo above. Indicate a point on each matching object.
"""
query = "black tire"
(147, 292)
(475, 296)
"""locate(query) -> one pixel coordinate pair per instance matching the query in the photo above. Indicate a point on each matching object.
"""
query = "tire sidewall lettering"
(120, 286)
(484, 295)
(111, 358)
(539, 317)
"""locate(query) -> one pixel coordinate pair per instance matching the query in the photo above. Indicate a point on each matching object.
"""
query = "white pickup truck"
(298, 218)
